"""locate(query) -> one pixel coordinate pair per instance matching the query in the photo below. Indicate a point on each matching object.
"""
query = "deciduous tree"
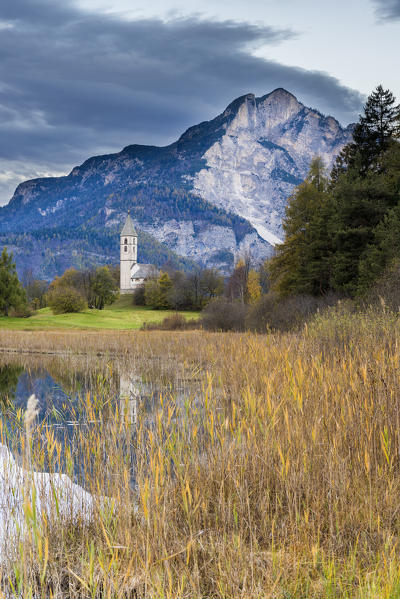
(253, 287)
(103, 288)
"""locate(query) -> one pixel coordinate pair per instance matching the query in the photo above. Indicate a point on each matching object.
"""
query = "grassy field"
(120, 316)
(278, 478)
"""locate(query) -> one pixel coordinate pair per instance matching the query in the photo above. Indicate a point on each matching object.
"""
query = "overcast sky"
(85, 77)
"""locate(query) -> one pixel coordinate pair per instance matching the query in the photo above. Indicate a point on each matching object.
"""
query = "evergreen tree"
(12, 294)
(337, 234)
(384, 248)
(151, 293)
(377, 126)
(299, 265)
(361, 205)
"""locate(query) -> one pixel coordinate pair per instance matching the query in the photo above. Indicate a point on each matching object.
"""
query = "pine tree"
(384, 247)
(379, 123)
(12, 294)
(299, 263)
(377, 126)
(360, 205)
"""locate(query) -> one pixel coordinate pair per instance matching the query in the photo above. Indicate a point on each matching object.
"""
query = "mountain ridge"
(217, 190)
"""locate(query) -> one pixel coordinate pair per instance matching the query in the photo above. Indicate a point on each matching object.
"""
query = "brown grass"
(280, 477)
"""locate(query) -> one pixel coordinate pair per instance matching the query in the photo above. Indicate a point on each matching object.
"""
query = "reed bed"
(278, 476)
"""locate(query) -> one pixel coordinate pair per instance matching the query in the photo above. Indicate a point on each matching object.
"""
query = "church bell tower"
(128, 256)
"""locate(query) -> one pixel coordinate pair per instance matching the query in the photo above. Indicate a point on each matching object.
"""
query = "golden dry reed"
(279, 477)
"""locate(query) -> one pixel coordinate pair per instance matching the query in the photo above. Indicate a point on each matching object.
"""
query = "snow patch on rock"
(73, 501)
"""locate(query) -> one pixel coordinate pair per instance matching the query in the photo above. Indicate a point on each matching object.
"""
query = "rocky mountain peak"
(278, 106)
(217, 191)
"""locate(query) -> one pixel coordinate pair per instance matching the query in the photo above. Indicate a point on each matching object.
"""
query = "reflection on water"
(9, 376)
(77, 396)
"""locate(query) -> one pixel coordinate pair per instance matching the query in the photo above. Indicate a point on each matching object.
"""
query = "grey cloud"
(74, 84)
(387, 9)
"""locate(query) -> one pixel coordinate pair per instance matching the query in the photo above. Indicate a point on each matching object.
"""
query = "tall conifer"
(299, 263)
(377, 126)
(12, 294)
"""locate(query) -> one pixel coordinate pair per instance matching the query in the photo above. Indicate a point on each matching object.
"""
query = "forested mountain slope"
(221, 188)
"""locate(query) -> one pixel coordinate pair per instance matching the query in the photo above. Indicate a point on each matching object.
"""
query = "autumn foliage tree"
(253, 287)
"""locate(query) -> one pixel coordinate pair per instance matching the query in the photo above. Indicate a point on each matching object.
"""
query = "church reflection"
(130, 392)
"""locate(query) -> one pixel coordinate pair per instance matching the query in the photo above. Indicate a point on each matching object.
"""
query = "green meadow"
(121, 315)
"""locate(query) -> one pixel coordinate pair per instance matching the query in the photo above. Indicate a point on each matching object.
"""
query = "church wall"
(128, 257)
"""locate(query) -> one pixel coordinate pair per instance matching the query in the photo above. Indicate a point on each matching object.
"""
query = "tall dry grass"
(279, 477)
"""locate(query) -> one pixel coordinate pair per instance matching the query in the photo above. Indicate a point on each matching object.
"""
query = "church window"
(125, 248)
(126, 241)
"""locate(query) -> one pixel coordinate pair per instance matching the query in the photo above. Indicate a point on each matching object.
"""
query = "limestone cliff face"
(266, 150)
(220, 188)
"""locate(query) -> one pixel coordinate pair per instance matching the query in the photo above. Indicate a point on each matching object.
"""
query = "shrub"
(21, 311)
(224, 315)
(283, 314)
(386, 291)
(138, 296)
(65, 299)
(176, 322)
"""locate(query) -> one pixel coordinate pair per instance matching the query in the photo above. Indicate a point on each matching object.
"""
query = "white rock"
(266, 149)
(73, 502)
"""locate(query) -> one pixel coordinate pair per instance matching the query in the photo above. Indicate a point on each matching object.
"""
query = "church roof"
(129, 227)
(142, 271)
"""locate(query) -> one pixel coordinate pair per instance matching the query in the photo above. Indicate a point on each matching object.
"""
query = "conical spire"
(129, 228)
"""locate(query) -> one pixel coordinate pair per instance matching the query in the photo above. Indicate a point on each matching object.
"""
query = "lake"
(80, 399)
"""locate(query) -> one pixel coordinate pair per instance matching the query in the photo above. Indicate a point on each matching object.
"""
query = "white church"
(132, 274)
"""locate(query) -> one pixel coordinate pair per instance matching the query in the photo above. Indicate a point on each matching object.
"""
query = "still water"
(77, 397)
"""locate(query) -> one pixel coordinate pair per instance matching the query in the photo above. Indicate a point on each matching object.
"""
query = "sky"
(85, 77)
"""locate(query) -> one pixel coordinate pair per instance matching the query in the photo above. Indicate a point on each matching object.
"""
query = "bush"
(65, 299)
(283, 314)
(386, 291)
(176, 322)
(21, 311)
(224, 315)
(138, 296)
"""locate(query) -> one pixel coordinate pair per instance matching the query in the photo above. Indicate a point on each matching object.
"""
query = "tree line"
(77, 289)
(342, 239)
(73, 291)
(178, 290)
(342, 235)
(342, 230)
